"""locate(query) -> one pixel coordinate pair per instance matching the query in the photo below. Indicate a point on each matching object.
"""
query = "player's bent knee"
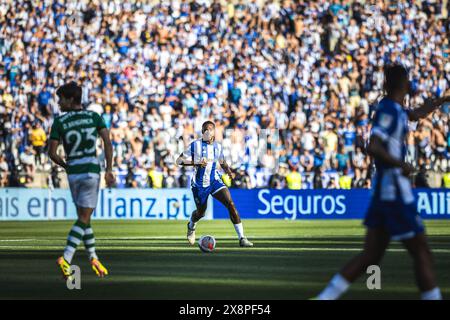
(83, 215)
(424, 255)
(201, 213)
(369, 259)
(231, 207)
(419, 250)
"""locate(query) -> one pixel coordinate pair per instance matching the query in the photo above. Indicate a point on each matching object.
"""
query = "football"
(206, 243)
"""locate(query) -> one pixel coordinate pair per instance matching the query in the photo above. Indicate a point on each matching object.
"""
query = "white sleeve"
(187, 154)
(193, 152)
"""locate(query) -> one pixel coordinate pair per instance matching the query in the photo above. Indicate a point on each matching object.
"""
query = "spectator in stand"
(307, 161)
(278, 179)
(294, 180)
(307, 72)
(27, 159)
(4, 171)
(38, 139)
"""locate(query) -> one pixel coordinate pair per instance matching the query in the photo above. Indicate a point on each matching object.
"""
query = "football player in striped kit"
(77, 129)
(204, 154)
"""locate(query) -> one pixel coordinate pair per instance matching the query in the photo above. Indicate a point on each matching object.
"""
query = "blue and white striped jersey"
(390, 124)
(198, 149)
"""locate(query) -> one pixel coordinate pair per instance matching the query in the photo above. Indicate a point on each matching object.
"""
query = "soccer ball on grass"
(207, 243)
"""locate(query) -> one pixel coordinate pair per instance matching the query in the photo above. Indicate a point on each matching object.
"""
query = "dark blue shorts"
(402, 221)
(201, 193)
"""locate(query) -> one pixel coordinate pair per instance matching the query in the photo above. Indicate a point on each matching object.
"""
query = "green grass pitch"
(152, 260)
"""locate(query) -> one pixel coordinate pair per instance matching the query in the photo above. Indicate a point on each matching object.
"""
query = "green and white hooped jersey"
(78, 131)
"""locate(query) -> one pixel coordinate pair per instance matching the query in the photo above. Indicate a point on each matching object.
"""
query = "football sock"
(337, 286)
(192, 224)
(89, 242)
(239, 230)
(73, 240)
(433, 294)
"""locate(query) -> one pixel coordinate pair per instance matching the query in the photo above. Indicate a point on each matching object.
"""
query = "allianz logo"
(433, 203)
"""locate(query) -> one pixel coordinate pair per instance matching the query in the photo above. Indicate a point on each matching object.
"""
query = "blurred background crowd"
(291, 85)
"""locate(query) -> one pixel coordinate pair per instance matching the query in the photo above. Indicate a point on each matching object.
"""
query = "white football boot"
(243, 242)
(190, 235)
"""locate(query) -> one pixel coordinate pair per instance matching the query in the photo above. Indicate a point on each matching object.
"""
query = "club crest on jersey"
(385, 120)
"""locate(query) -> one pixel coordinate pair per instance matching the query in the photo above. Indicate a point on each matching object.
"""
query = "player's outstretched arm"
(377, 150)
(52, 148)
(109, 176)
(428, 107)
(185, 161)
(182, 161)
(227, 168)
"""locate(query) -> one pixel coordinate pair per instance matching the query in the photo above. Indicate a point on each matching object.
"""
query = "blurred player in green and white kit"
(78, 130)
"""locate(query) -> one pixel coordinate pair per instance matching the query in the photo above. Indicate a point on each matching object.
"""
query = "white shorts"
(84, 188)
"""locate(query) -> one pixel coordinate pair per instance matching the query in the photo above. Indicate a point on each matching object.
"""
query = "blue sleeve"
(385, 122)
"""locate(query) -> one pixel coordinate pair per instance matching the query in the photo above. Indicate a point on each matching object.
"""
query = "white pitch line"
(270, 249)
(219, 238)
(174, 238)
(16, 240)
(293, 237)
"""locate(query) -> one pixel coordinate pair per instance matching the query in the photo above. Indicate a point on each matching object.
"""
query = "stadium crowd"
(290, 84)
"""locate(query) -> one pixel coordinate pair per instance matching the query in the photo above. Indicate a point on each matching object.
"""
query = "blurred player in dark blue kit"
(392, 214)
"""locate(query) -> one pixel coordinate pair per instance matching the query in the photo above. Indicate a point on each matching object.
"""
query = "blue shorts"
(402, 221)
(201, 193)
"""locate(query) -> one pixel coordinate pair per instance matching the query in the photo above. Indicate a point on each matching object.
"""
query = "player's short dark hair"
(394, 77)
(206, 123)
(70, 90)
